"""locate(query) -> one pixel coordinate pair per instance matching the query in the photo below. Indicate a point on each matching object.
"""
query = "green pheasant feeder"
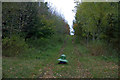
(62, 59)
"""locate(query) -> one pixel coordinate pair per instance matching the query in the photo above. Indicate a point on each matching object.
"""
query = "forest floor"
(81, 64)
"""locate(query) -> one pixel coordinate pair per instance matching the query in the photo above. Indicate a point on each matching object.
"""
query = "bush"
(46, 43)
(13, 46)
(39, 43)
(98, 48)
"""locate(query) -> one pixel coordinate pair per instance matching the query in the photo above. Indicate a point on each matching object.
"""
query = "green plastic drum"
(63, 58)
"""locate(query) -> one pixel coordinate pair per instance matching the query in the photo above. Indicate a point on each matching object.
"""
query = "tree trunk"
(87, 38)
(93, 37)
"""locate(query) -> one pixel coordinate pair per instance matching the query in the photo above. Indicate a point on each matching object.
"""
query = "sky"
(65, 8)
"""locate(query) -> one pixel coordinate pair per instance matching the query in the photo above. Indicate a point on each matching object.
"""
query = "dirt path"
(83, 73)
(80, 65)
(48, 73)
(62, 48)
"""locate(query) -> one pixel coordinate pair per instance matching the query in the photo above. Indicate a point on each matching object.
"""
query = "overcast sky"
(64, 7)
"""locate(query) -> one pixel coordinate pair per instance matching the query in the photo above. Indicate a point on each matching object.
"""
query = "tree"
(96, 20)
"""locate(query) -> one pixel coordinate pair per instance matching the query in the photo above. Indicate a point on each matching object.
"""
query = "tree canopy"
(31, 21)
(97, 21)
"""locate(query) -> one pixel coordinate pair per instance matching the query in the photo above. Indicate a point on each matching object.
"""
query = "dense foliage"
(30, 24)
(96, 26)
(97, 21)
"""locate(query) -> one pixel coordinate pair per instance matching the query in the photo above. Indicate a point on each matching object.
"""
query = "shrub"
(13, 46)
(98, 48)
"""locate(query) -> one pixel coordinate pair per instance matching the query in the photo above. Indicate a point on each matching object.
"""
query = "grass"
(100, 68)
(81, 64)
(28, 66)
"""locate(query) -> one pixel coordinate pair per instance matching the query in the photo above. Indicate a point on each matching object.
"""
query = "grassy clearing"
(81, 63)
(31, 65)
(98, 66)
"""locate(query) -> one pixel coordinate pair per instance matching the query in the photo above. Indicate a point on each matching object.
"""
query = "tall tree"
(96, 20)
